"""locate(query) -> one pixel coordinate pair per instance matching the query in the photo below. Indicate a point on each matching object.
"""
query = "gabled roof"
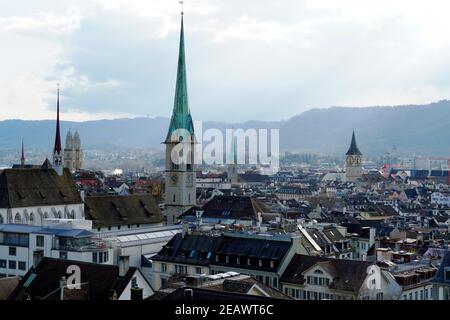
(44, 280)
(353, 150)
(348, 275)
(122, 210)
(254, 248)
(192, 249)
(443, 268)
(230, 207)
(36, 187)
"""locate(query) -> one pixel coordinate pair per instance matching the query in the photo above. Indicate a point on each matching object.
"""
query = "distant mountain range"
(415, 129)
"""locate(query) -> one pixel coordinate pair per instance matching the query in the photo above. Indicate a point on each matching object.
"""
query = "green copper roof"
(181, 116)
(353, 150)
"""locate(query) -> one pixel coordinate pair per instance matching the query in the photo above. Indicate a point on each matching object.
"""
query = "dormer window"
(272, 264)
(249, 262)
(447, 274)
(217, 258)
(260, 262)
(227, 259)
(238, 260)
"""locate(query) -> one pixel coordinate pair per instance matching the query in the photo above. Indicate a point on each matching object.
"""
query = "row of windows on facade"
(20, 239)
(174, 198)
(423, 294)
(13, 264)
(100, 257)
(180, 269)
(32, 220)
(301, 294)
(119, 227)
(248, 261)
(175, 166)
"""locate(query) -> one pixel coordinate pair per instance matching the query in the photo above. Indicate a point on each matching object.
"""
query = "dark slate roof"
(411, 193)
(205, 294)
(45, 279)
(353, 150)
(318, 237)
(36, 187)
(121, 210)
(193, 249)
(230, 207)
(440, 275)
(265, 248)
(348, 275)
(253, 177)
(333, 234)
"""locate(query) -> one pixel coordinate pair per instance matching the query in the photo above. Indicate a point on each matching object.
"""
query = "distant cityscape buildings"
(319, 231)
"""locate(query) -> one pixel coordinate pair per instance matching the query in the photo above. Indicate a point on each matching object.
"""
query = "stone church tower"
(353, 162)
(180, 189)
(73, 155)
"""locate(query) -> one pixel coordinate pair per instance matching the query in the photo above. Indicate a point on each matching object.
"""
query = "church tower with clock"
(180, 189)
(353, 162)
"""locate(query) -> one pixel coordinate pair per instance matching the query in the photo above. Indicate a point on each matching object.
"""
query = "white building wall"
(141, 283)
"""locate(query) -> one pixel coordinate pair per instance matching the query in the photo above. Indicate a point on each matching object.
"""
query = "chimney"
(189, 294)
(185, 230)
(62, 285)
(124, 265)
(137, 293)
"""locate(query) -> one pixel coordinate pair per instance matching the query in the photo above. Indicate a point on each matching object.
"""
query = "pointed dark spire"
(232, 159)
(22, 158)
(353, 150)
(57, 147)
(181, 116)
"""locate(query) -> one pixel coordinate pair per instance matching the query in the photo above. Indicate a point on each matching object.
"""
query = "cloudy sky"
(246, 59)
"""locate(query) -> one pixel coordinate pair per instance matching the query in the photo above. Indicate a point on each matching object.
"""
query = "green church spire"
(181, 116)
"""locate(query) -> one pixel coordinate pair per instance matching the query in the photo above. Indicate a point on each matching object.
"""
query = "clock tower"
(353, 162)
(180, 190)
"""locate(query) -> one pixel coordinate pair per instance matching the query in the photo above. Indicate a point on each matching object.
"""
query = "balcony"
(81, 244)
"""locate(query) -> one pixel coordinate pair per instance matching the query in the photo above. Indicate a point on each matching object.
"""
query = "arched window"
(31, 219)
(1, 219)
(45, 215)
(17, 219)
(72, 214)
